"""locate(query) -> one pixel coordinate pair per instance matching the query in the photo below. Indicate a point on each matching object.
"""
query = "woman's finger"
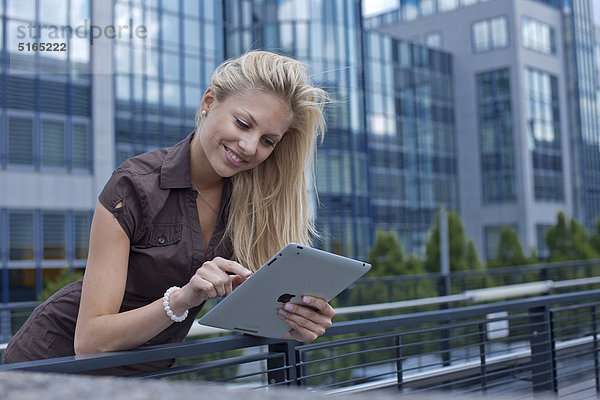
(231, 266)
(300, 332)
(320, 305)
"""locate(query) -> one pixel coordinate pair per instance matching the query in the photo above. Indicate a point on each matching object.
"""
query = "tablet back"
(293, 272)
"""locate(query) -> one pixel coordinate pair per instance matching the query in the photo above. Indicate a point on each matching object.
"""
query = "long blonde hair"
(269, 204)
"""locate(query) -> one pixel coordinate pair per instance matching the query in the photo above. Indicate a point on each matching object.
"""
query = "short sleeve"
(121, 188)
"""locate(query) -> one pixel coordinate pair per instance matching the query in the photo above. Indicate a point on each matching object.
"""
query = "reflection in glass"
(53, 12)
(170, 66)
(22, 9)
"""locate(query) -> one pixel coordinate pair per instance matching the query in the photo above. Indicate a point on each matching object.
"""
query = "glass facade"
(35, 241)
(45, 125)
(583, 83)
(497, 148)
(544, 139)
(538, 36)
(411, 136)
(159, 79)
(490, 34)
(45, 97)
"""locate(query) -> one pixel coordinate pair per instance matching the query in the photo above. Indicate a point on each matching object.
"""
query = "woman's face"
(241, 131)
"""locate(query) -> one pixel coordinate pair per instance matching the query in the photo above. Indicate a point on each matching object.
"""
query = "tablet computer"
(294, 271)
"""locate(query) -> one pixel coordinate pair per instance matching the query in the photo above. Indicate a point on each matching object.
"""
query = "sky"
(371, 7)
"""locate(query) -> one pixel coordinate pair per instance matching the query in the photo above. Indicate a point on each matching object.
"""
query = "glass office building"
(45, 145)
(527, 120)
(411, 138)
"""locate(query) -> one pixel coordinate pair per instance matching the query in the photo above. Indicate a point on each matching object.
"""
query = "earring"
(203, 113)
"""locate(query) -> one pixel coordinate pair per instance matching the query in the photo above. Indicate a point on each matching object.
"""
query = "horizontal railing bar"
(90, 362)
(493, 363)
(207, 365)
(18, 305)
(450, 314)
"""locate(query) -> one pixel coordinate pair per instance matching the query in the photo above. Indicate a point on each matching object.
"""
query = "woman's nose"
(249, 145)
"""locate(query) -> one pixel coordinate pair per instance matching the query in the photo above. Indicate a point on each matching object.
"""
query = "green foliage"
(52, 285)
(510, 252)
(595, 239)
(569, 241)
(386, 257)
(456, 241)
(473, 262)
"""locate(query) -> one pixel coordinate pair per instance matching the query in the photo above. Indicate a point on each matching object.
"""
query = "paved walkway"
(35, 386)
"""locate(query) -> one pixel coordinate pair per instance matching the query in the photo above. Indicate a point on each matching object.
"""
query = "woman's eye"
(269, 142)
(241, 124)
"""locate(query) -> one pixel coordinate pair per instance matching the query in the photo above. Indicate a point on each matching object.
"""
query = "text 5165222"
(42, 47)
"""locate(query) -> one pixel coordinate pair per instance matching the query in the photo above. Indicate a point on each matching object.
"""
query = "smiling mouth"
(234, 156)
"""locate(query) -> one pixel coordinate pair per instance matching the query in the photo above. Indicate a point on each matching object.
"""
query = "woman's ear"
(207, 99)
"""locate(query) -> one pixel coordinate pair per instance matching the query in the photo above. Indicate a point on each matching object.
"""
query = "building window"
(496, 137)
(20, 236)
(80, 145)
(53, 143)
(81, 233)
(490, 34)
(20, 140)
(54, 234)
(538, 36)
(433, 40)
(543, 123)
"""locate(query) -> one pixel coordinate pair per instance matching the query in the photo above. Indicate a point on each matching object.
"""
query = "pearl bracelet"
(170, 313)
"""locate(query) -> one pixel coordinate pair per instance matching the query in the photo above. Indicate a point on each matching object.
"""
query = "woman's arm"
(100, 326)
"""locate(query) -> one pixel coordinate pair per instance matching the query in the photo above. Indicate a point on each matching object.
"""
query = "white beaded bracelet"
(170, 313)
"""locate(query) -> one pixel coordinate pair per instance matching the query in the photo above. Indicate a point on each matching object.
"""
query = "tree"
(510, 252)
(473, 261)
(456, 242)
(386, 257)
(52, 285)
(595, 239)
(568, 241)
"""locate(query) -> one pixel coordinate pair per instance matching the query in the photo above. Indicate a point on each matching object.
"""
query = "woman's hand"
(210, 281)
(306, 324)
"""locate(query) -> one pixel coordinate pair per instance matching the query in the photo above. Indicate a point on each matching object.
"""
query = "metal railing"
(541, 344)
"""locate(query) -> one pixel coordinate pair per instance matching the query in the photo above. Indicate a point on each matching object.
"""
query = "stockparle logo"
(82, 31)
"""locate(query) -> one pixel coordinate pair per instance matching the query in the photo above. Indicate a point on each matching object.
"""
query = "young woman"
(178, 226)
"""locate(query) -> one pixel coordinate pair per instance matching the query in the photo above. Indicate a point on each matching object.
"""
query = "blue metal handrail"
(544, 331)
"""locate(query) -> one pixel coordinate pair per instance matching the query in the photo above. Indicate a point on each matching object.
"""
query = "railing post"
(482, 335)
(444, 290)
(595, 341)
(399, 370)
(542, 355)
(284, 368)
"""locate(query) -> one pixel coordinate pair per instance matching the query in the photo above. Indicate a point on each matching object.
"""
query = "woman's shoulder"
(144, 164)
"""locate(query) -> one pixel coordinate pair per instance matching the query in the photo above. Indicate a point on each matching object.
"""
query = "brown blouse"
(160, 217)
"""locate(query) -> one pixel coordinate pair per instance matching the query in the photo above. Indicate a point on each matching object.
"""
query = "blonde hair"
(269, 204)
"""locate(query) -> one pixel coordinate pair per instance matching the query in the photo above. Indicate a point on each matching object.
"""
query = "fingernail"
(306, 299)
(247, 272)
(288, 307)
(281, 312)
